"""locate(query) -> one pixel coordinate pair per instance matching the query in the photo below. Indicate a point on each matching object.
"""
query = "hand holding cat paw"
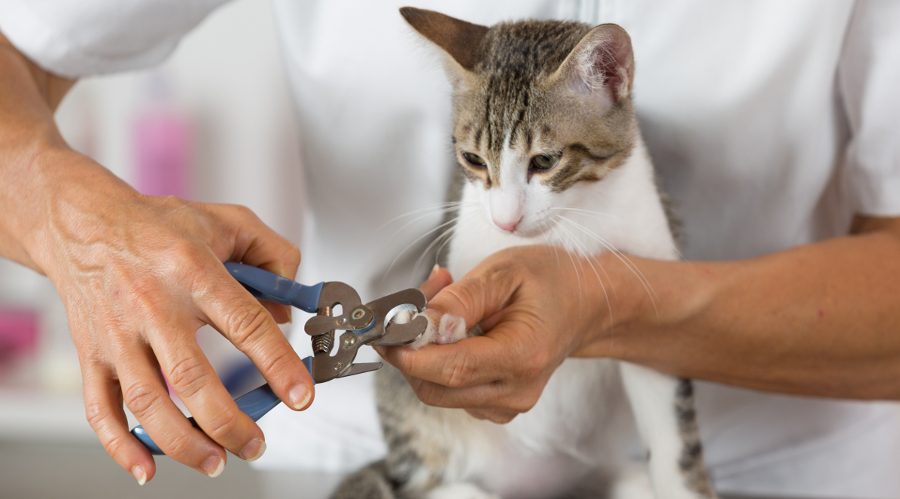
(532, 317)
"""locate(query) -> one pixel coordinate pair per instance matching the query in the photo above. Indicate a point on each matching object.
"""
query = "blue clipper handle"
(255, 403)
(272, 287)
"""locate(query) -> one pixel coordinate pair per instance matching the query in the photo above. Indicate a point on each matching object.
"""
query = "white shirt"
(771, 123)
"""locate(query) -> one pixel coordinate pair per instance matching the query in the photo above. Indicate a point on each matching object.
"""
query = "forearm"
(28, 97)
(822, 319)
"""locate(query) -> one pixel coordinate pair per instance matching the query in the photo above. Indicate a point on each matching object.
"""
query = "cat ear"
(601, 61)
(459, 39)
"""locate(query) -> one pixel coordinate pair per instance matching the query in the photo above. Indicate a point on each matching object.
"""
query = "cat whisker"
(443, 245)
(568, 247)
(418, 211)
(409, 246)
(443, 235)
(416, 240)
(585, 212)
(409, 223)
(585, 254)
(441, 241)
(622, 257)
(556, 250)
(590, 256)
(549, 226)
(418, 215)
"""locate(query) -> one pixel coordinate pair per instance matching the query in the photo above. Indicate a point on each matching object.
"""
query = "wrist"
(21, 192)
(649, 298)
(67, 194)
(616, 300)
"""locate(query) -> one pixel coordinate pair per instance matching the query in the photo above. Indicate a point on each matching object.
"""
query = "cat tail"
(371, 482)
(691, 462)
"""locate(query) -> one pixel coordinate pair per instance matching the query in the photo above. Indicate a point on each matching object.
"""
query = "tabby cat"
(546, 136)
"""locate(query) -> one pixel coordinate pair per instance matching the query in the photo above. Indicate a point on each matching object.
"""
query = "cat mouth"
(527, 230)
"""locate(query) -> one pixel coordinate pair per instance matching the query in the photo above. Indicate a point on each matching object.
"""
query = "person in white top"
(774, 126)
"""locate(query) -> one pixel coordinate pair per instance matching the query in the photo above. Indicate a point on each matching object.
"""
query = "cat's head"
(540, 108)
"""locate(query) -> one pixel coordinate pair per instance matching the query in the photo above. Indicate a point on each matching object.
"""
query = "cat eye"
(474, 160)
(542, 162)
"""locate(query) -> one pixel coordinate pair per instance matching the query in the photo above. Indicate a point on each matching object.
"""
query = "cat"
(544, 131)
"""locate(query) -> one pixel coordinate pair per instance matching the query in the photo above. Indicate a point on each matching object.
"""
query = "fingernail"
(137, 471)
(434, 270)
(253, 450)
(213, 466)
(299, 397)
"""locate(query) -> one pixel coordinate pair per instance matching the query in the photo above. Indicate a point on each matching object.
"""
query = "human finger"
(197, 384)
(479, 295)
(505, 396)
(235, 313)
(439, 279)
(470, 362)
(481, 396)
(497, 416)
(103, 408)
(146, 397)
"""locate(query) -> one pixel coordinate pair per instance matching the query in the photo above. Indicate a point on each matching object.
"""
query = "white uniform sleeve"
(869, 79)
(88, 37)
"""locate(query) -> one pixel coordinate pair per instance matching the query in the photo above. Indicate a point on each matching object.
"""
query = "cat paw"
(402, 317)
(449, 329)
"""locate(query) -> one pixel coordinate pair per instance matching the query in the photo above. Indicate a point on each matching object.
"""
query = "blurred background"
(203, 126)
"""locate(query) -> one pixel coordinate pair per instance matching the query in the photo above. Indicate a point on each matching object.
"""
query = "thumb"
(438, 280)
(479, 295)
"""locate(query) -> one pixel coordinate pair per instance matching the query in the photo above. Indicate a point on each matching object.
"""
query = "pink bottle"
(18, 333)
(162, 144)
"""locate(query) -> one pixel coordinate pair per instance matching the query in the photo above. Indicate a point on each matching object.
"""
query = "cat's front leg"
(663, 409)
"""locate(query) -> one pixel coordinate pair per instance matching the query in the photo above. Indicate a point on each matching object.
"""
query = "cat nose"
(507, 225)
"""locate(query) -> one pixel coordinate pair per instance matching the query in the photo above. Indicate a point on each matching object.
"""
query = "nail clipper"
(338, 308)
